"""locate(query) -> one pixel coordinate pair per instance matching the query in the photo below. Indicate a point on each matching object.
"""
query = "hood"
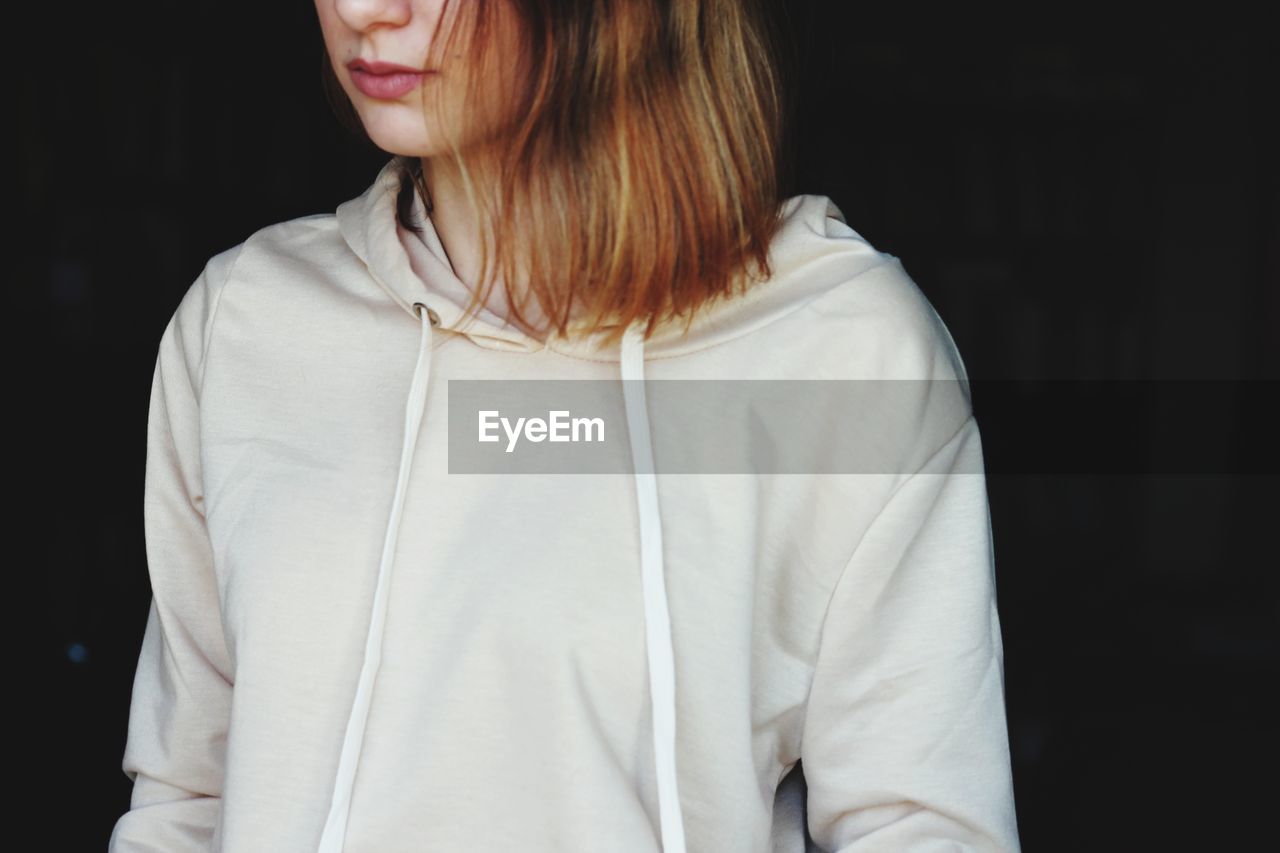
(416, 273)
(805, 266)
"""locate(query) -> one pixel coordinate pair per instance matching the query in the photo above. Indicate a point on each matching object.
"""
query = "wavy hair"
(644, 168)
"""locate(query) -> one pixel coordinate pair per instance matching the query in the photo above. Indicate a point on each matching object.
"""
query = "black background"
(1083, 201)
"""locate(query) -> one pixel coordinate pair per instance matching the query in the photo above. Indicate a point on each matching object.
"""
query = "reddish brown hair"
(645, 164)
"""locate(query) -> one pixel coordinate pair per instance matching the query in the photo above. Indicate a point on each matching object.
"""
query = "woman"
(353, 645)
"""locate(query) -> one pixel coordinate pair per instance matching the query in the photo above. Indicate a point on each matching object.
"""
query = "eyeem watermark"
(536, 426)
(558, 426)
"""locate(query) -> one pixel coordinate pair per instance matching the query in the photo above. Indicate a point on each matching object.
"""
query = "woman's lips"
(384, 79)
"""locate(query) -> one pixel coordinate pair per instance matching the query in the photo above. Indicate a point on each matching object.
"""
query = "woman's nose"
(367, 14)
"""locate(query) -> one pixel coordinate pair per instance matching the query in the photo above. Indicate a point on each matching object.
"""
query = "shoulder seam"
(889, 500)
(213, 314)
(844, 570)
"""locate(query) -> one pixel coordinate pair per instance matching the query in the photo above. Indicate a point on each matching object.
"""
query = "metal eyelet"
(431, 313)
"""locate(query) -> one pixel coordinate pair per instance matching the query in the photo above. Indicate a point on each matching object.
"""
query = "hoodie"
(350, 648)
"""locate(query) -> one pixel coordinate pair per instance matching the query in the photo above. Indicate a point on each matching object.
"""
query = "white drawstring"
(335, 825)
(661, 659)
(657, 622)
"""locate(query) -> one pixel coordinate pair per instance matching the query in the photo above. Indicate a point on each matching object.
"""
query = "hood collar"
(804, 266)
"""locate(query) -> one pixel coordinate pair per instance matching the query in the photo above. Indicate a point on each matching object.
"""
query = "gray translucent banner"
(704, 426)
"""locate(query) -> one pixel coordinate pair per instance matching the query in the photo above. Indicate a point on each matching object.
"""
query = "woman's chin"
(399, 134)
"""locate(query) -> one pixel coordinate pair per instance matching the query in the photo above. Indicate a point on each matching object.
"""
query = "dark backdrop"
(1091, 209)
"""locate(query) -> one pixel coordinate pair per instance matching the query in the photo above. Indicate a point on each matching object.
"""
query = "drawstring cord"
(661, 658)
(657, 621)
(335, 825)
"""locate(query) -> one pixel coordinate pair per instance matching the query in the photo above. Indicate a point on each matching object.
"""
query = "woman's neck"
(453, 216)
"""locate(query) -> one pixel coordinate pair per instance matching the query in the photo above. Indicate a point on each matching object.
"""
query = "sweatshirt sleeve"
(178, 715)
(905, 746)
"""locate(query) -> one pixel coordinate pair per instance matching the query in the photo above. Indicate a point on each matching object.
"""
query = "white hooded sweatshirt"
(350, 648)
